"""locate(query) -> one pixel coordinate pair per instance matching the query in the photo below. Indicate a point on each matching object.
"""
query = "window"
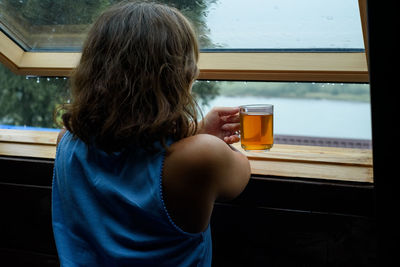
(324, 114)
(29, 102)
(278, 24)
(268, 40)
(306, 49)
(44, 25)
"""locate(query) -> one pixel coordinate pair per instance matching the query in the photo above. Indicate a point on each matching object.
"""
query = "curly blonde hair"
(133, 82)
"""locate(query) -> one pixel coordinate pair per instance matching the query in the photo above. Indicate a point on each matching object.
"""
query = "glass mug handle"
(238, 133)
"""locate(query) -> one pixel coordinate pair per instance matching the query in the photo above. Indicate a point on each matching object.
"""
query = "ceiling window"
(47, 25)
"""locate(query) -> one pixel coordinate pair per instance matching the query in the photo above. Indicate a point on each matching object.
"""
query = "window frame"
(261, 66)
(249, 66)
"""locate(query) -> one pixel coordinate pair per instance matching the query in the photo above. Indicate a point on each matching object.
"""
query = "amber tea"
(256, 127)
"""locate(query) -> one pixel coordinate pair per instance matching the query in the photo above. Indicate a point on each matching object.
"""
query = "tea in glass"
(256, 127)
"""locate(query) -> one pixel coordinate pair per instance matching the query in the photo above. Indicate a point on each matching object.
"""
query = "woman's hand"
(222, 122)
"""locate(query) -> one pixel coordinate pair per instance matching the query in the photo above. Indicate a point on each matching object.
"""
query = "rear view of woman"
(135, 175)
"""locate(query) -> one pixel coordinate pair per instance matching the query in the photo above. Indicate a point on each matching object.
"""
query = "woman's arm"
(197, 171)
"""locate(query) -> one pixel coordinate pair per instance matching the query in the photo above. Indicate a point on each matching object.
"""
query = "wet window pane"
(220, 24)
(28, 102)
(304, 113)
(285, 24)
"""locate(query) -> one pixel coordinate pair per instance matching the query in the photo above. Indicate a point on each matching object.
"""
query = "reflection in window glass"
(287, 24)
(30, 101)
(305, 113)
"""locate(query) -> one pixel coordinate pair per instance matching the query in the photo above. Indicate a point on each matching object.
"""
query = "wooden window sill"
(330, 163)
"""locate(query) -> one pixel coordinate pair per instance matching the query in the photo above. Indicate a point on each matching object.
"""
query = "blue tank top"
(108, 210)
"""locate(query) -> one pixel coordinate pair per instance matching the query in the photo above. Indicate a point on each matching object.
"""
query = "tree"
(31, 101)
(60, 12)
(196, 11)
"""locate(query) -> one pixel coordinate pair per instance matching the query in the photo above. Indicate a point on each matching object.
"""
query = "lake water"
(311, 117)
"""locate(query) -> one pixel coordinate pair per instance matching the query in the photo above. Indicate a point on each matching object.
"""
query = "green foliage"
(197, 12)
(60, 12)
(30, 101)
(72, 12)
(205, 91)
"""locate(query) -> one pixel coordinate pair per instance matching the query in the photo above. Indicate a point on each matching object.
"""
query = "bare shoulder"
(209, 159)
(198, 149)
(197, 171)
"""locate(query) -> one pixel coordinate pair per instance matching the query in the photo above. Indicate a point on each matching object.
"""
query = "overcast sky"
(285, 24)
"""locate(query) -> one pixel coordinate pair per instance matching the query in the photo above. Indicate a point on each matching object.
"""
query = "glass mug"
(257, 127)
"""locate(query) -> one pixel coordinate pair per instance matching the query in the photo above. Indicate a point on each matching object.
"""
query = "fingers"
(231, 139)
(226, 124)
(232, 119)
(231, 127)
(226, 111)
(230, 132)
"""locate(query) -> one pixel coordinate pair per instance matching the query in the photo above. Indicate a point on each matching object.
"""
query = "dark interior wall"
(26, 237)
(384, 78)
(274, 222)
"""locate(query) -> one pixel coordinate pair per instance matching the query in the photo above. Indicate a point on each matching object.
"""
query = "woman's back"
(109, 210)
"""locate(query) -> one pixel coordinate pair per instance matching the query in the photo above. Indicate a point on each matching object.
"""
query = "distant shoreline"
(330, 91)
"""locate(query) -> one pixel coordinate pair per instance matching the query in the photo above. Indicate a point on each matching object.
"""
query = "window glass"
(303, 112)
(285, 24)
(220, 24)
(326, 114)
(28, 102)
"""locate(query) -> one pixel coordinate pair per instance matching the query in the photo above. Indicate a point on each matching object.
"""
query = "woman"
(135, 175)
